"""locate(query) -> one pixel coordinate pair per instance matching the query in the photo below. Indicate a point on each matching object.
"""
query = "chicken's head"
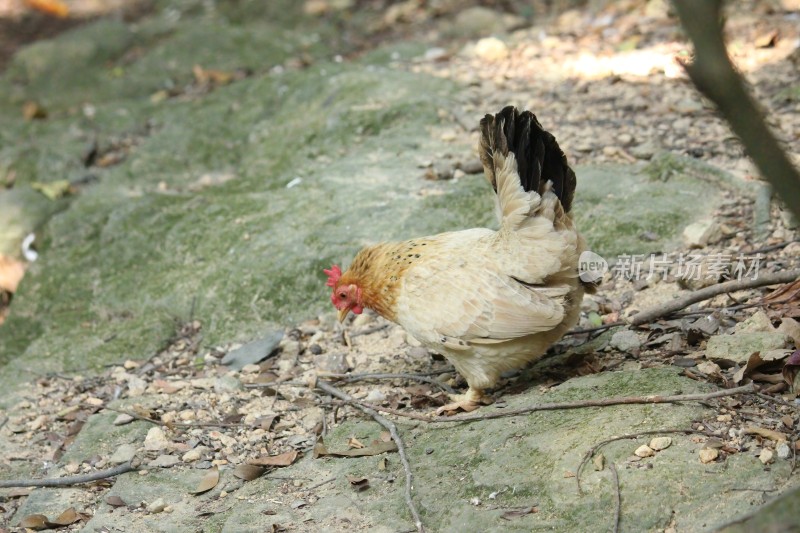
(345, 297)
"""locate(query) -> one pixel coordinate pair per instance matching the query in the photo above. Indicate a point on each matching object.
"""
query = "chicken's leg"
(470, 401)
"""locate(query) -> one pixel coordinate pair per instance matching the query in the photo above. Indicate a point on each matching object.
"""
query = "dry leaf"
(32, 110)
(56, 8)
(791, 327)
(767, 40)
(791, 371)
(70, 516)
(284, 459)
(248, 472)
(376, 448)
(385, 436)
(359, 484)
(208, 482)
(115, 501)
(36, 522)
(766, 433)
(53, 189)
(758, 359)
(355, 443)
(516, 513)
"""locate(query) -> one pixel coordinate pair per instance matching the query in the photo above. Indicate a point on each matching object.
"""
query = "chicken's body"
(489, 301)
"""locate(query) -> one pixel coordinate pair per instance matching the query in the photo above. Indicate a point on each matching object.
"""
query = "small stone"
(156, 506)
(227, 384)
(709, 368)
(192, 455)
(164, 461)
(156, 440)
(130, 364)
(315, 349)
(766, 456)
(599, 462)
(71, 468)
(491, 49)
(644, 451)
(95, 402)
(626, 341)
(646, 150)
(702, 233)
(417, 352)
(122, 454)
(783, 450)
(187, 415)
(475, 501)
(123, 419)
(428, 451)
(660, 443)
(375, 396)
(708, 455)
(724, 418)
(625, 139)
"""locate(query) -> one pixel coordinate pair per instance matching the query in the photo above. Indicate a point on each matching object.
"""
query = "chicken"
(489, 301)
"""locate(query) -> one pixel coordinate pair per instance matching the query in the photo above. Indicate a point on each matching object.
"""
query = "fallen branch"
(401, 449)
(588, 455)
(596, 328)
(69, 480)
(715, 76)
(580, 404)
(617, 496)
(671, 306)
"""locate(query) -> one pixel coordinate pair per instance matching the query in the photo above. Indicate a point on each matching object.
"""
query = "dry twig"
(671, 306)
(580, 404)
(68, 480)
(401, 449)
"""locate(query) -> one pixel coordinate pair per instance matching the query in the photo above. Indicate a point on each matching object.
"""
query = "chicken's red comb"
(333, 275)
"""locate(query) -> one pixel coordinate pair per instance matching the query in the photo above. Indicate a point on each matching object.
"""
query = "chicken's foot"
(468, 402)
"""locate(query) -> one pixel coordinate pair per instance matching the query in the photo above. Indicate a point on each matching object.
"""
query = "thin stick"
(68, 480)
(580, 404)
(321, 483)
(414, 377)
(588, 455)
(597, 328)
(617, 497)
(671, 306)
(401, 449)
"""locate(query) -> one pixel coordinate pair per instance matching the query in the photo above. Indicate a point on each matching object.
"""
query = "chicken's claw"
(467, 403)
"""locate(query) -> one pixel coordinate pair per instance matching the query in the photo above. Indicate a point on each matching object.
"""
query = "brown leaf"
(284, 459)
(787, 421)
(70, 516)
(385, 436)
(208, 482)
(758, 359)
(791, 371)
(115, 501)
(56, 8)
(376, 448)
(383, 463)
(766, 433)
(516, 513)
(248, 472)
(359, 484)
(36, 522)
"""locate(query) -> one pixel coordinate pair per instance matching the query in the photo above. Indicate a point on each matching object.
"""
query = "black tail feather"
(539, 158)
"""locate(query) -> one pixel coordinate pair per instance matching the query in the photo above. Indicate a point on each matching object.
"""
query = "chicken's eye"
(342, 295)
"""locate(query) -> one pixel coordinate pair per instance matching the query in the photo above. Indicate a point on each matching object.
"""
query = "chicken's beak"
(343, 313)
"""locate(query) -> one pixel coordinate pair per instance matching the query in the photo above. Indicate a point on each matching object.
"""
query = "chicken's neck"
(378, 270)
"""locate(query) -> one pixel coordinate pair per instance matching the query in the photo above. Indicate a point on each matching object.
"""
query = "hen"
(489, 301)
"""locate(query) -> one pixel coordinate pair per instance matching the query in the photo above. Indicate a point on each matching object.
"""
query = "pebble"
(428, 451)
(71, 468)
(491, 49)
(156, 506)
(702, 233)
(417, 352)
(626, 341)
(122, 454)
(165, 461)
(227, 384)
(660, 443)
(315, 349)
(375, 396)
(130, 364)
(156, 440)
(766, 456)
(192, 455)
(123, 419)
(708, 455)
(783, 450)
(644, 451)
(251, 368)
